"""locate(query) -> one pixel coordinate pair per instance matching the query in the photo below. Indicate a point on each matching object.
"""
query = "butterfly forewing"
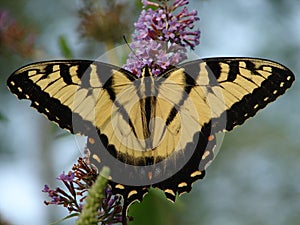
(67, 92)
(247, 85)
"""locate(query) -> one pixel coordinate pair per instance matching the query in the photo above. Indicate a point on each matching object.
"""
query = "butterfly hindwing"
(178, 183)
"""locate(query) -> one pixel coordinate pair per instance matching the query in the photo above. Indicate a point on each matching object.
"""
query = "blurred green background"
(255, 178)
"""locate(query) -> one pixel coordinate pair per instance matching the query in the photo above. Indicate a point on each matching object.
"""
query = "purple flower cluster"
(162, 36)
(78, 182)
(111, 211)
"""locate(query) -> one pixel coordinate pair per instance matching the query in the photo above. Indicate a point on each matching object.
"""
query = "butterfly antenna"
(131, 49)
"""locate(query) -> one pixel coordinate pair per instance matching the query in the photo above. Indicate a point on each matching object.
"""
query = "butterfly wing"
(70, 93)
(246, 86)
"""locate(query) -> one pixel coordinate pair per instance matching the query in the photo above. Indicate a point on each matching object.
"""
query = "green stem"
(94, 200)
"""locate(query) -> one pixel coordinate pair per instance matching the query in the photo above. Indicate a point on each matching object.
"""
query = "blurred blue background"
(255, 179)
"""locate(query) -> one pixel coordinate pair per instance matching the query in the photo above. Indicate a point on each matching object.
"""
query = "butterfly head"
(146, 72)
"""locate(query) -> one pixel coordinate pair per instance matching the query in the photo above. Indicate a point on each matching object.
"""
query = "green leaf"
(155, 209)
(64, 47)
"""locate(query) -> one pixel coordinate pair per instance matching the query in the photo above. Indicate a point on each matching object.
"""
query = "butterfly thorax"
(151, 126)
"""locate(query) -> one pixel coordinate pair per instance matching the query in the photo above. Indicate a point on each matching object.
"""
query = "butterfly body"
(154, 131)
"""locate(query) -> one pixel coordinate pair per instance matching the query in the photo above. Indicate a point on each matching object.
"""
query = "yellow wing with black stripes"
(145, 120)
(162, 126)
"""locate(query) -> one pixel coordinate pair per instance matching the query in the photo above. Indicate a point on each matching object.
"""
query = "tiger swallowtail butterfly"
(154, 131)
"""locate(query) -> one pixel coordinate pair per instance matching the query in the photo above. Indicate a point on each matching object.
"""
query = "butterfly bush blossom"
(78, 182)
(162, 36)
